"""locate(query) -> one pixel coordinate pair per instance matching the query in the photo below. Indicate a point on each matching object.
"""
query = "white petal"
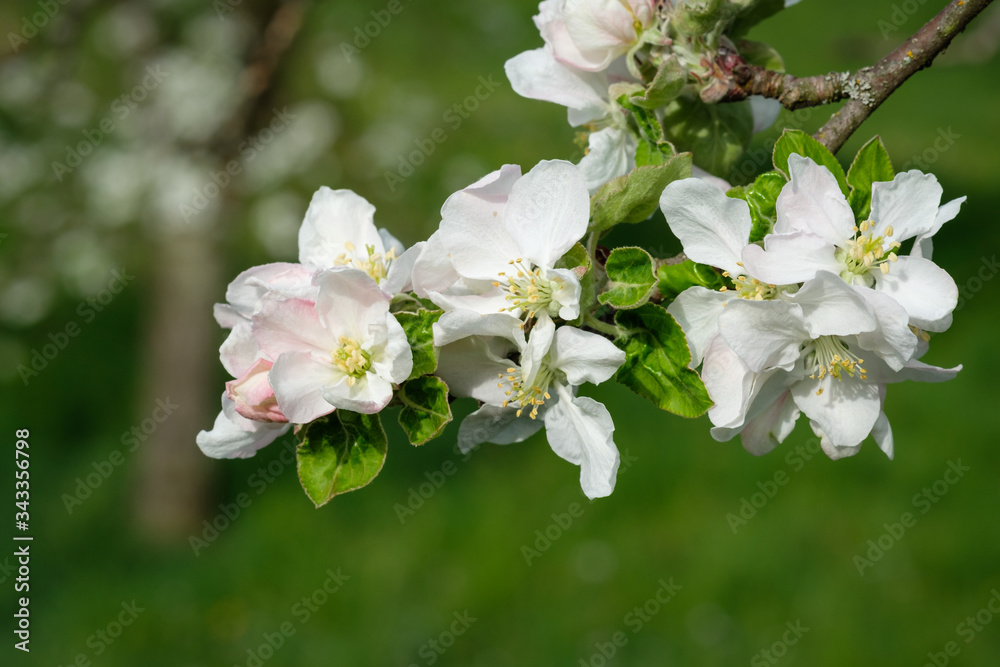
(610, 154)
(235, 437)
(565, 292)
(712, 227)
(399, 278)
(289, 325)
(432, 269)
(892, 339)
(831, 307)
(924, 289)
(247, 289)
(845, 410)
(594, 34)
(298, 379)
(390, 242)
(334, 219)
(239, 351)
(729, 383)
(538, 345)
(548, 211)
(812, 201)
(923, 246)
(792, 258)
(537, 75)
(909, 204)
(458, 324)
(882, 433)
(764, 334)
(720, 184)
(368, 395)
(500, 426)
(697, 310)
(581, 431)
(349, 303)
(770, 428)
(835, 452)
(584, 356)
(469, 369)
(393, 359)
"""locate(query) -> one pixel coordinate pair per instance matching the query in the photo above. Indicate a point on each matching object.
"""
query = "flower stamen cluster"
(375, 264)
(864, 252)
(831, 356)
(351, 358)
(527, 289)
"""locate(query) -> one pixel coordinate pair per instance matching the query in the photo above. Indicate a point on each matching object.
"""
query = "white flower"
(766, 367)
(539, 388)
(499, 241)
(343, 351)
(816, 231)
(589, 34)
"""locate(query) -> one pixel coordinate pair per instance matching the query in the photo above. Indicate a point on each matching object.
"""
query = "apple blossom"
(538, 389)
(345, 350)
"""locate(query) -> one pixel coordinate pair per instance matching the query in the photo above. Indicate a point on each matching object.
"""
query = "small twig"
(865, 89)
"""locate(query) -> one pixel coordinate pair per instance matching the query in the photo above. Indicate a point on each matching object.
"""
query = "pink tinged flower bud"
(253, 395)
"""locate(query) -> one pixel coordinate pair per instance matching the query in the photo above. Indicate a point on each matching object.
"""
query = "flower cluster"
(823, 315)
(312, 337)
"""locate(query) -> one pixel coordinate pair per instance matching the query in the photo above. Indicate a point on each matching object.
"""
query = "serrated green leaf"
(577, 260)
(420, 336)
(761, 54)
(635, 196)
(716, 134)
(426, 410)
(656, 359)
(668, 83)
(339, 453)
(761, 196)
(630, 278)
(871, 165)
(672, 279)
(797, 141)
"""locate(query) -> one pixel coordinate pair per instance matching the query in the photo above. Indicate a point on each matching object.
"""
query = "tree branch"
(865, 89)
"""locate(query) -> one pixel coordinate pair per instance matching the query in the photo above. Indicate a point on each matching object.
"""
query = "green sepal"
(338, 453)
(668, 83)
(656, 361)
(426, 410)
(631, 280)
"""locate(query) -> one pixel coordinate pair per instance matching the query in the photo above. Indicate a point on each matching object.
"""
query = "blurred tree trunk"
(181, 358)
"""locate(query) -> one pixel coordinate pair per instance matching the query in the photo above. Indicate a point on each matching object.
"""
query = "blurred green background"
(463, 550)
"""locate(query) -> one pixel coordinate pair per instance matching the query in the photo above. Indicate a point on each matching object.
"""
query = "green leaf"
(716, 134)
(665, 86)
(426, 410)
(761, 54)
(797, 141)
(407, 302)
(630, 278)
(339, 453)
(419, 335)
(635, 196)
(675, 278)
(698, 18)
(578, 261)
(656, 359)
(761, 196)
(871, 165)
